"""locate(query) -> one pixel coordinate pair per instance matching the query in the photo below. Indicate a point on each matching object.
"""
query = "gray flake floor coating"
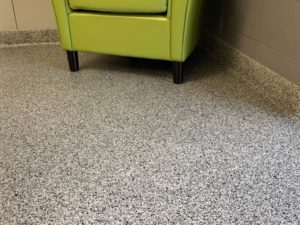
(119, 143)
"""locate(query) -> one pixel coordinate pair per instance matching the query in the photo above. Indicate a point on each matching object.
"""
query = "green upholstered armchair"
(154, 29)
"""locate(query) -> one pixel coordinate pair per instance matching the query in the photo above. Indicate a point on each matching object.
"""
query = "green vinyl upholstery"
(121, 6)
(138, 36)
(155, 29)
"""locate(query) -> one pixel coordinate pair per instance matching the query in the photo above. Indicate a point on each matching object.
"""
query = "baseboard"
(283, 94)
(8, 38)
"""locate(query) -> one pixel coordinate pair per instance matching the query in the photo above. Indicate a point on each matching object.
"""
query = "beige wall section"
(34, 14)
(266, 30)
(26, 15)
(7, 18)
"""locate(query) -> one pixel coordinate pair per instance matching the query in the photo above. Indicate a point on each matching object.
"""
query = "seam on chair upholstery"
(170, 27)
(184, 26)
(67, 2)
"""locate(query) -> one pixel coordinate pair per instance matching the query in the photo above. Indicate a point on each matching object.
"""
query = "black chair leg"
(178, 72)
(73, 61)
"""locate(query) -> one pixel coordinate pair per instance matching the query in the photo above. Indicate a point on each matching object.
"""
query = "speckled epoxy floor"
(119, 143)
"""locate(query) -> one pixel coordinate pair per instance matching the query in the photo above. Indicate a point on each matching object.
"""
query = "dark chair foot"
(73, 61)
(178, 72)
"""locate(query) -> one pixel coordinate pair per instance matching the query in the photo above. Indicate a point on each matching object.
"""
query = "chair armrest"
(62, 10)
(185, 27)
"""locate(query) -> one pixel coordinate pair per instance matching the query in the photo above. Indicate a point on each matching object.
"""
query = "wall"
(266, 30)
(26, 15)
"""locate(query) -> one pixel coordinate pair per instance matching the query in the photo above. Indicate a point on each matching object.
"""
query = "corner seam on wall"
(15, 16)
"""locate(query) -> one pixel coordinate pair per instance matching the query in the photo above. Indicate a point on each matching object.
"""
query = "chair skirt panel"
(146, 36)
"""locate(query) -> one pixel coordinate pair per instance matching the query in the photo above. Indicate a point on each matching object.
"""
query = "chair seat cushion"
(121, 6)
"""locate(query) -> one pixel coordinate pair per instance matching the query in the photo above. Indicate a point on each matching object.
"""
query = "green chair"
(154, 29)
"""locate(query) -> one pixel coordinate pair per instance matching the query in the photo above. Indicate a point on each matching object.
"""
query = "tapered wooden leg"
(73, 61)
(178, 72)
